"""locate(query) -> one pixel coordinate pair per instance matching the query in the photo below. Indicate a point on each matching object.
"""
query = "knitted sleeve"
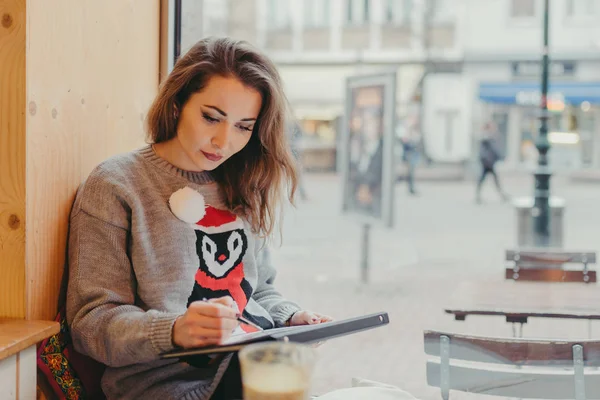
(103, 318)
(280, 309)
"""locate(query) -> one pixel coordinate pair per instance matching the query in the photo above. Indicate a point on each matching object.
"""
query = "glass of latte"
(277, 371)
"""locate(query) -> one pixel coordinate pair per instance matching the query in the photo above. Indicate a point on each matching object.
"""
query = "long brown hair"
(254, 180)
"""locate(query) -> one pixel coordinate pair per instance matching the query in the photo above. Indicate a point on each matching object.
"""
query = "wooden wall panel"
(12, 158)
(92, 71)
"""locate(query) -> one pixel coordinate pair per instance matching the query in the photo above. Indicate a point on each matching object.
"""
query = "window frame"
(574, 16)
(170, 41)
(447, 15)
(314, 8)
(513, 7)
(524, 21)
(279, 15)
(352, 6)
(397, 12)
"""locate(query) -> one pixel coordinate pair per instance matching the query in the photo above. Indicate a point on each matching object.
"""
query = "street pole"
(365, 245)
(541, 209)
(426, 25)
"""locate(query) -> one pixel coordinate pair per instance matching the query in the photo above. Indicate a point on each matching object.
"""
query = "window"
(581, 8)
(442, 10)
(397, 12)
(278, 14)
(357, 12)
(316, 13)
(522, 8)
(214, 15)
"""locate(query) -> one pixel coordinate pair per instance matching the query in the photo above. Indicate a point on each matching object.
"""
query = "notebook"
(306, 334)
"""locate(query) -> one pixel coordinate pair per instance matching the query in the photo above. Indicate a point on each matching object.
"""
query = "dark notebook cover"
(306, 334)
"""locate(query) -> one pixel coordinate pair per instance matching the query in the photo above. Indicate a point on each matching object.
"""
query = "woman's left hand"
(308, 318)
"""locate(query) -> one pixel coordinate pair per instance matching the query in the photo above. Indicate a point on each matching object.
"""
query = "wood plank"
(92, 71)
(526, 383)
(12, 158)
(17, 335)
(526, 299)
(167, 45)
(523, 352)
(551, 256)
(549, 275)
(8, 377)
(27, 373)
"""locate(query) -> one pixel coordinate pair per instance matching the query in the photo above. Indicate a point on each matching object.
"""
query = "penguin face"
(219, 253)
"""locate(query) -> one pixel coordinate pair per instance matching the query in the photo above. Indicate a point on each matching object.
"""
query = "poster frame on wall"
(380, 210)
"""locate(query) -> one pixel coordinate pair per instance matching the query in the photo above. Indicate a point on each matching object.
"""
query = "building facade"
(502, 51)
(459, 63)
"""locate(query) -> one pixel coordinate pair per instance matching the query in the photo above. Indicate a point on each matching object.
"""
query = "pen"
(245, 321)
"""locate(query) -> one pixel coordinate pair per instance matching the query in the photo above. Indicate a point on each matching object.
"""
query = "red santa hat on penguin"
(188, 205)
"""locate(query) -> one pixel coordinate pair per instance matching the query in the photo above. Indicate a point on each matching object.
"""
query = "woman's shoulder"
(106, 192)
(119, 167)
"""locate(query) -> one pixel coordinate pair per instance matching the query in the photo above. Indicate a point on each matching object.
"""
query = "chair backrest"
(550, 256)
(522, 368)
(548, 265)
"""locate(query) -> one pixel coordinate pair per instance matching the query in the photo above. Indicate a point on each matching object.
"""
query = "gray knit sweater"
(135, 264)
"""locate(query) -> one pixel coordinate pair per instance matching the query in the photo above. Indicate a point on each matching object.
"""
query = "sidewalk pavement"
(440, 238)
(435, 172)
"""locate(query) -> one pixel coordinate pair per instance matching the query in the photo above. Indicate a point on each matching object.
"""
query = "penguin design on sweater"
(221, 244)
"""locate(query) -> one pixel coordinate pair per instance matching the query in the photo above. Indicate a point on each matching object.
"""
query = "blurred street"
(440, 239)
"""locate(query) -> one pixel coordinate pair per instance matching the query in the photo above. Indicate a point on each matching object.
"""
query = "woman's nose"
(221, 137)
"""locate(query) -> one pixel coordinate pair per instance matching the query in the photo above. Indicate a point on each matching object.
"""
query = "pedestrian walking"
(488, 157)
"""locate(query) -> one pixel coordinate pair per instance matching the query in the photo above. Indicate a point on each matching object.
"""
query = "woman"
(164, 246)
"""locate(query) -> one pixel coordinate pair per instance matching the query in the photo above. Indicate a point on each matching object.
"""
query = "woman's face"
(216, 123)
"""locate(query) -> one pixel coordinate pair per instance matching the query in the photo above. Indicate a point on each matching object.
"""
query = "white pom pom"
(188, 205)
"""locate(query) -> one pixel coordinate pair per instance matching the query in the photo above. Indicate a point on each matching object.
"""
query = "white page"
(240, 336)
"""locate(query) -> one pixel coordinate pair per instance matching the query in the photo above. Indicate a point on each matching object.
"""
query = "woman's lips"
(212, 157)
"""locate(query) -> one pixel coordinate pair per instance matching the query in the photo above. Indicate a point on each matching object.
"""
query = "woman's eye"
(245, 128)
(210, 119)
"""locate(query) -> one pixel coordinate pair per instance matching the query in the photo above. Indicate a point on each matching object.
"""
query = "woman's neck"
(172, 152)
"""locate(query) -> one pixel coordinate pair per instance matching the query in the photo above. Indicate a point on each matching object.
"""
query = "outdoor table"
(518, 301)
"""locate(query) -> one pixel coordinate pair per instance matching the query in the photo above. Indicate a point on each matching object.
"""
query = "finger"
(313, 318)
(326, 318)
(302, 318)
(310, 318)
(225, 300)
(211, 334)
(215, 323)
(212, 309)
(203, 342)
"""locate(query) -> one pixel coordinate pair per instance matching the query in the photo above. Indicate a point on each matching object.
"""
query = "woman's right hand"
(205, 323)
